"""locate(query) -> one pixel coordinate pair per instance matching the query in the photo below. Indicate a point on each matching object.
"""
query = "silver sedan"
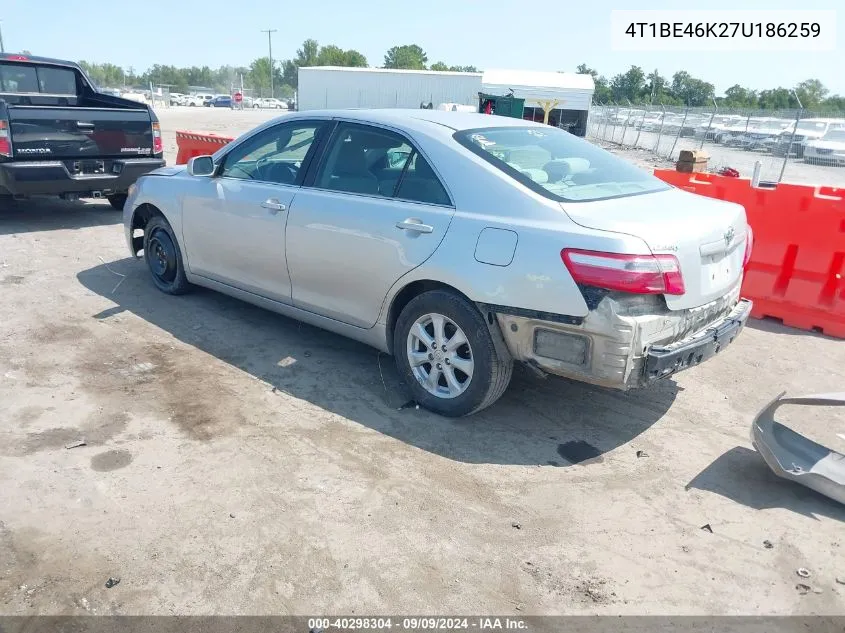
(457, 242)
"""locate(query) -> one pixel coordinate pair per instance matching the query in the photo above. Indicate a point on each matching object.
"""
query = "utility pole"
(2, 48)
(269, 33)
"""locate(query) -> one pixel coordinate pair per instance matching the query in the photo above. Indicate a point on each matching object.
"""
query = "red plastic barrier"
(191, 144)
(798, 262)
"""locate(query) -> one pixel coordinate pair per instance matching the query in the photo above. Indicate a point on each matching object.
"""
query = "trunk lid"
(707, 236)
(49, 133)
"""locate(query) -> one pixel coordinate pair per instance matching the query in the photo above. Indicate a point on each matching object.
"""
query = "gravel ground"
(239, 462)
(641, 146)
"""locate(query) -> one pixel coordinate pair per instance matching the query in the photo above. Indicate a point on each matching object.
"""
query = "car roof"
(418, 119)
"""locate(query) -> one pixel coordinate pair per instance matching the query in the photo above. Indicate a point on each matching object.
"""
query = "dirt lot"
(239, 462)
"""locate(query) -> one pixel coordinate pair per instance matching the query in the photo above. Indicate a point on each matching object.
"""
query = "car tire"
(117, 201)
(445, 387)
(164, 257)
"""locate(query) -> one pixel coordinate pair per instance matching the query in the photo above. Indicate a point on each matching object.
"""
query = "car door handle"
(412, 224)
(273, 205)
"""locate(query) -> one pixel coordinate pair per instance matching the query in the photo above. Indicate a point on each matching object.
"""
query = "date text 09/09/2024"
(325, 625)
(724, 29)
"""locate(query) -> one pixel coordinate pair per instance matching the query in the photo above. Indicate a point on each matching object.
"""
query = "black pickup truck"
(60, 137)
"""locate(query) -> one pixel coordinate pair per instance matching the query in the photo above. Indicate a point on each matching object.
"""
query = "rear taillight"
(749, 246)
(158, 147)
(640, 274)
(5, 140)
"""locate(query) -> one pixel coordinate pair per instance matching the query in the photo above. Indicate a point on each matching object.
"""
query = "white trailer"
(336, 87)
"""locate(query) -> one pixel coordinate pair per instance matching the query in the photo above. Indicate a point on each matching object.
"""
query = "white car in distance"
(828, 150)
(267, 102)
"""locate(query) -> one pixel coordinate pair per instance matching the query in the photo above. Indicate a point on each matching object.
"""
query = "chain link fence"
(799, 146)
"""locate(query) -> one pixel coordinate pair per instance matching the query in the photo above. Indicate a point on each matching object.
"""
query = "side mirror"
(201, 166)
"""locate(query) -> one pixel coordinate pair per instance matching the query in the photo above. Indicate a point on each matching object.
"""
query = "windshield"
(835, 135)
(557, 164)
(815, 126)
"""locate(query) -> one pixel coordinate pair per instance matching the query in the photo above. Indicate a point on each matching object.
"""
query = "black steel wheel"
(163, 257)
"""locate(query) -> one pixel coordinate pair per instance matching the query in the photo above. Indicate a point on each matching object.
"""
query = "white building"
(323, 87)
(560, 99)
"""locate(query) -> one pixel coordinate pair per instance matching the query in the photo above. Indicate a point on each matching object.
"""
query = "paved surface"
(239, 462)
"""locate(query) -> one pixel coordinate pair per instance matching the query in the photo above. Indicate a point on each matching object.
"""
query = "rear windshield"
(25, 79)
(558, 165)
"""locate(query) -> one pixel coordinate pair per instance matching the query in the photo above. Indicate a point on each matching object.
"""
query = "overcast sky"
(555, 35)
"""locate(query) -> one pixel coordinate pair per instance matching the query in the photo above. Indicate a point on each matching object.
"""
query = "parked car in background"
(221, 101)
(177, 98)
(827, 150)
(367, 223)
(713, 127)
(61, 137)
(267, 102)
(806, 131)
(761, 134)
(198, 100)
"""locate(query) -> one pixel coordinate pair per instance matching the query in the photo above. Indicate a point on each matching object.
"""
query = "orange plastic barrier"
(192, 144)
(798, 262)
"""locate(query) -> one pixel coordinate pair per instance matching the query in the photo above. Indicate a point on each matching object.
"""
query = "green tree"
(691, 91)
(777, 99)
(332, 55)
(628, 86)
(442, 67)
(811, 92)
(601, 91)
(308, 54)
(354, 58)
(583, 69)
(259, 76)
(408, 56)
(739, 97)
(289, 73)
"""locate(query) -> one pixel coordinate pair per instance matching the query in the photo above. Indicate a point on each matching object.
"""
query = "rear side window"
(557, 164)
(421, 184)
(22, 79)
(57, 81)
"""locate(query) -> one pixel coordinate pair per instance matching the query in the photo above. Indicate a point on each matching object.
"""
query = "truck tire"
(117, 201)
(446, 354)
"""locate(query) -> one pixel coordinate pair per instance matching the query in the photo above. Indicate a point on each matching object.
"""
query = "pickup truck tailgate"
(46, 133)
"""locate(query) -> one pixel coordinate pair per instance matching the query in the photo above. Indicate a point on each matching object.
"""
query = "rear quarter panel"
(484, 197)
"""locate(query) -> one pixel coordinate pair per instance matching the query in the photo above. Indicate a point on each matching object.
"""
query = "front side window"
(277, 155)
(369, 160)
(557, 164)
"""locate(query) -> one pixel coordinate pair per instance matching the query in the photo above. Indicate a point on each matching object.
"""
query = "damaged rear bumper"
(626, 341)
(664, 360)
(792, 456)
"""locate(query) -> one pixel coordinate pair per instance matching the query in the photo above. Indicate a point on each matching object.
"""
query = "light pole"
(269, 33)
(2, 48)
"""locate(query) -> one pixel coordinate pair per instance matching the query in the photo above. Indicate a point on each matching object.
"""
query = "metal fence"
(788, 145)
